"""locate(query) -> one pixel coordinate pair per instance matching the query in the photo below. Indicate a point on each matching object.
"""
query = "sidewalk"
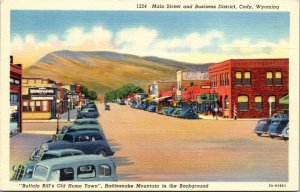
(210, 117)
(63, 118)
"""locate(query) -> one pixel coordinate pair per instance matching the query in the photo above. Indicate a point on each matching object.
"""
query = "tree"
(122, 92)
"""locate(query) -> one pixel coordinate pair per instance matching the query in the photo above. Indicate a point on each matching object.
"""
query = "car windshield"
(49, 156)
(40, 171)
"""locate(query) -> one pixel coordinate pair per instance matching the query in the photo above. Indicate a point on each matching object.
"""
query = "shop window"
(247, 78)
(45, 107)
(226, 102)
(273, 103)
(31, 106)
(105, 170)
(278, 79)
(243, 103)
(258, 103)
(238, 78)
(269, 78)
(25, 106)
(14, 98)
(37, 106)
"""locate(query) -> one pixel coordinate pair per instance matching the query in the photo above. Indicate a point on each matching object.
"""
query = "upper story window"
(258, 103)
(269, 78)
(273, 102)
(247, 76)
(278, 78)
(238, 78)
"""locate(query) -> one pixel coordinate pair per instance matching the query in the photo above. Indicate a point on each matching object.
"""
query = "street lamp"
(57, 115)
(270, 104)
(69, 109)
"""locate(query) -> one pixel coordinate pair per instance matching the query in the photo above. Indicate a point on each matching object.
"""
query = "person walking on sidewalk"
(216, 112)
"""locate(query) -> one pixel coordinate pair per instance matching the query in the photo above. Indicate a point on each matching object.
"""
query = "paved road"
(153, 147)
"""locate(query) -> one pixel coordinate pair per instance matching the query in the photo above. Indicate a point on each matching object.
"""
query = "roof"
(86, 119)
(67, 161)
(89, 132)
(63, 151)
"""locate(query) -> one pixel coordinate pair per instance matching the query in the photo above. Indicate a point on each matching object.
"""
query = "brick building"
(15, 97)
(250, 85)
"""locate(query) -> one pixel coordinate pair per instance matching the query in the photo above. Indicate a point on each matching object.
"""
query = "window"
(86, 171)
(25, 106)
(269, 78)
(278, 79)
(65, 174)
(45, 107)
(247, 76)
(243, 103)
(238, 78)
(37, 106)
(41, 171)
(105, 170)
(226, 102)
(14, 98)
(31, 106)
(273, 103)
(258, 103)
(68, 138)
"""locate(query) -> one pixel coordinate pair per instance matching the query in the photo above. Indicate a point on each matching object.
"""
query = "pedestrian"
(216, 111)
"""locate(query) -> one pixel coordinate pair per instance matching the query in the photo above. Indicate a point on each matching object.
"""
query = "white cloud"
(144, 41)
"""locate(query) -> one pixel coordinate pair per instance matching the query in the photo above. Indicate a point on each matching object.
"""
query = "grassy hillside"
(104, 71)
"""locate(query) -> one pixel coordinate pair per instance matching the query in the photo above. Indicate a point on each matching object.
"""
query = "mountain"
(104, 71)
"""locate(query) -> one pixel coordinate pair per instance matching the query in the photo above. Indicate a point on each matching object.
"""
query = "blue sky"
(221, 32)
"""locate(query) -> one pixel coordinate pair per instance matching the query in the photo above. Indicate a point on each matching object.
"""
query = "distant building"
(250, 86)
(160, 90)
(39, 98)
(15, 97)
(186, 78)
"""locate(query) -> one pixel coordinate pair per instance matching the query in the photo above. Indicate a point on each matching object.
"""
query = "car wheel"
(285, 138)
(259, 134)
(103, 153)
(272, 136)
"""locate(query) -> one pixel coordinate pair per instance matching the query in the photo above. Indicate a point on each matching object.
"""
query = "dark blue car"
(277, 126)
(262, 126)
(89, 142)
(188, 114)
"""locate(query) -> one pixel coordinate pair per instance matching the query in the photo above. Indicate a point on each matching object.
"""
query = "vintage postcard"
(191, 95)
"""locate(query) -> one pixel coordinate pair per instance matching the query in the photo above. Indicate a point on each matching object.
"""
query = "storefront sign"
(42, 91)
(42, 97)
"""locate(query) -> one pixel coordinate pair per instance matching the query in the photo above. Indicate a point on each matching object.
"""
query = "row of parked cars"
(185, 113)
(277, 126)
(78, 152)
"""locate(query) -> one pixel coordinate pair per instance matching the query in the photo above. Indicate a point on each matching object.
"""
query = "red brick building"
(15, 97)
(250, 84)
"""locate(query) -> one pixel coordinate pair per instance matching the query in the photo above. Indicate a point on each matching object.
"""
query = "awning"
(284, 100)
(161, 98)
(207, 98)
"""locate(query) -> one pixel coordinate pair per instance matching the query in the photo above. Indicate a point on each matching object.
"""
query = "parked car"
(25, 171)
(285, 132)
(89, 105)
(176, 112)
(88, 113)
(81, 168)
(188, 114)
(151, 108)
(170, 111)
(74, 128)
(86, 121)
(122, 103)
(163, 111)
(262, 126)
(89, 142)
(276, 127)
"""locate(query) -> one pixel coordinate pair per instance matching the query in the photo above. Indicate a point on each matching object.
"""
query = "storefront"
(15, 98)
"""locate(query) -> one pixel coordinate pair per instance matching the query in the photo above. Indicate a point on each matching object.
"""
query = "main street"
(153, 147)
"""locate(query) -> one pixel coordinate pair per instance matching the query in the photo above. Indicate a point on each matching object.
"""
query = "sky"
(196, 37)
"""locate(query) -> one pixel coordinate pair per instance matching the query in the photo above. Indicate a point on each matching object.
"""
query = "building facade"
(15, 97)
(186, 78)
(250, 86)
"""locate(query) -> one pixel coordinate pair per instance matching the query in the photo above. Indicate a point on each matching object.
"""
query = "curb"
(48, 121)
